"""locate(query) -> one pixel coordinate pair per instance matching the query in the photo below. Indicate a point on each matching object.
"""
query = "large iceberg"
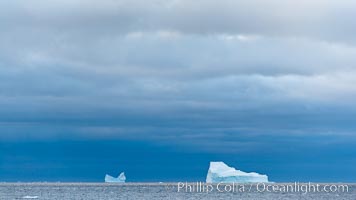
(219, 172)
(120, 179)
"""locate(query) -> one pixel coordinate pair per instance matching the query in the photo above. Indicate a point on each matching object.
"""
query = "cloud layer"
(193, 70)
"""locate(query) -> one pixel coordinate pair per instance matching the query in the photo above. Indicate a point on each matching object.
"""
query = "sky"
(160, 88)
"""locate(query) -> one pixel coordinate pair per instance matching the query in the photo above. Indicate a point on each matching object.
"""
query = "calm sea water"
(98, 191)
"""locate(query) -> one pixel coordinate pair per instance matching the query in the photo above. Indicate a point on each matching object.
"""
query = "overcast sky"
(229, 77)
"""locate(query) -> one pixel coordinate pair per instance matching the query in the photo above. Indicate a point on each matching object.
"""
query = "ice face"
(120, 179)
(219, 172)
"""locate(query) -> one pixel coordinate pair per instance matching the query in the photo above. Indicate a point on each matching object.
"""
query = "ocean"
(197, 190)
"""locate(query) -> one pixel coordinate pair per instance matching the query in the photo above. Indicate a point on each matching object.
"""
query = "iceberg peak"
(120, 179)
(220, 172)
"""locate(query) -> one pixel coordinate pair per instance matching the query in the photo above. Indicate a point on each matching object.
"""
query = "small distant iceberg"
(219, 172)
(120, 179)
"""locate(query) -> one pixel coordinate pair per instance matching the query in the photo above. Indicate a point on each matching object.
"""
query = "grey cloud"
(321, 20)
(154, 64)
(220, 63)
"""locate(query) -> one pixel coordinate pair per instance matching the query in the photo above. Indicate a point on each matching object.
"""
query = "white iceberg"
(120, 179)
(219, 172)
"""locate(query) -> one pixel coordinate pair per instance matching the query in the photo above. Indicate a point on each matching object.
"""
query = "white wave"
(30, 197)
